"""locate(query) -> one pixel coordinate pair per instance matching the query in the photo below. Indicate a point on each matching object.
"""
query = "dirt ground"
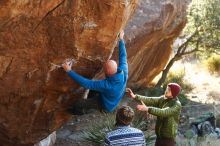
(71, 133)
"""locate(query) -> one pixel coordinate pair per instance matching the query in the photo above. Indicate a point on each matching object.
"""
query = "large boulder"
(37, 36)
(150, 35)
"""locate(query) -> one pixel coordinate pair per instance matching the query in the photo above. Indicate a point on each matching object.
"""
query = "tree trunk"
(166, 71)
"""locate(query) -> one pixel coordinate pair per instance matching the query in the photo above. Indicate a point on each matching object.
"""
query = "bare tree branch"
(215, 52)
(189, 52)
(184, 48)
(186, 42)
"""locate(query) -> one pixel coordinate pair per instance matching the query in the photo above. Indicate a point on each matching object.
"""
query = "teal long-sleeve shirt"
(112, 88)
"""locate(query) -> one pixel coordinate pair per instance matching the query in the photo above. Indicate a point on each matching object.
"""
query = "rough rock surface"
(35, 35)
(150, 35)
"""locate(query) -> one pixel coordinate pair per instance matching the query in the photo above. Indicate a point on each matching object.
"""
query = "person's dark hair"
(124, 116)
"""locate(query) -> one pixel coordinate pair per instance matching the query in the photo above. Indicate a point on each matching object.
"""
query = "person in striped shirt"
(124, 134)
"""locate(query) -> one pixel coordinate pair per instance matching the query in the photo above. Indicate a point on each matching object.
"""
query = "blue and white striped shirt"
(125, 136)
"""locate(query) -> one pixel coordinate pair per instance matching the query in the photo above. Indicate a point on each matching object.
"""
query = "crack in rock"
(5, 63)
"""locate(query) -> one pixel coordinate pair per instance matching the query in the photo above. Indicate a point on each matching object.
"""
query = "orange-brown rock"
(150, 35)
(35, 35)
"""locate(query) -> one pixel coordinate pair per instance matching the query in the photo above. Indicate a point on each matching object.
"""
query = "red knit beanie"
(175, 89)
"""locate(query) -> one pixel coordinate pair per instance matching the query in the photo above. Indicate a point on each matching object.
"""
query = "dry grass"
(213, 64)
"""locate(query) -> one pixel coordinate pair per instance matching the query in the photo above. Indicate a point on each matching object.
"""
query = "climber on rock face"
(110, 67)
(111, 89)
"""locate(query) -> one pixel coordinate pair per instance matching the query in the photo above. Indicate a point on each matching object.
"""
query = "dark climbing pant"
(165, 142)
(85, 106)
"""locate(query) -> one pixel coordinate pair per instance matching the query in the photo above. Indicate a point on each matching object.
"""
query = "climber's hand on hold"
(67, 66)
(121, 35)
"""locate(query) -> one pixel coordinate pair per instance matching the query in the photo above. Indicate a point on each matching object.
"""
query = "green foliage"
(183, 99)
(173, 77)
(140, 121)
(153, 92)
(203, 17)
(213, 64)
(97, 132)
(178, 77)
(218, 121)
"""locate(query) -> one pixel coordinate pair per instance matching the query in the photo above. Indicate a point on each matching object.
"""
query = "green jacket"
(167, 112)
